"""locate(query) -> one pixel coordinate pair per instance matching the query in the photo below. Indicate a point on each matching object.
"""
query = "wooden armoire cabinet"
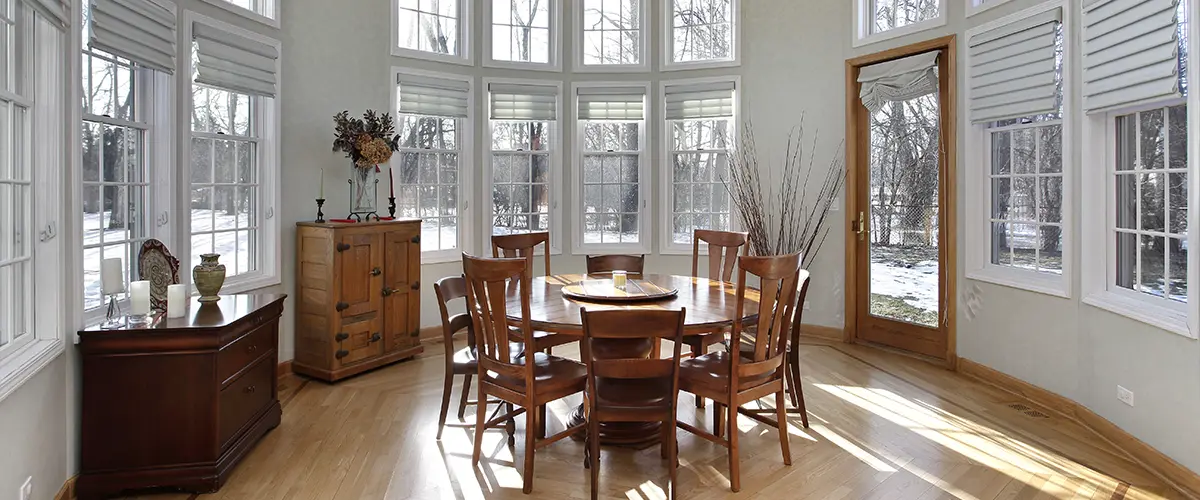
(358, 293)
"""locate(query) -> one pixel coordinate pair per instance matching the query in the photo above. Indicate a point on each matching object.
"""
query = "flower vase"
(209, 277)
(363, 183)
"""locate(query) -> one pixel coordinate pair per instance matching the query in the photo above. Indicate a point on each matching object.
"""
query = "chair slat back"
(633, 264)
(487, 282)
(723, 250)
(777, 277)
(522, 245)
(449, 289)
(603, 326)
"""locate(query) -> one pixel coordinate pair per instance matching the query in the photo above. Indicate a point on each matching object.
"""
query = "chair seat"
(633, 393)
(709, 374)
(551, 375)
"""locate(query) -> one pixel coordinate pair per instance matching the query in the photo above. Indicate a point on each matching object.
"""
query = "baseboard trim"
(830, 333)
(1173, 473)
(67, 492)
(284, 369)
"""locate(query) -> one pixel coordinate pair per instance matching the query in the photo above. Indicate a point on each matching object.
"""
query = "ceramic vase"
(209, 276)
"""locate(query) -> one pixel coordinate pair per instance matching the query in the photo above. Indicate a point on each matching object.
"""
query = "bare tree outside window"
(427, 179)
(611, 169)
(701, 30)
(892, 14)
(429, 26)
(520, 176)
(699, 157)
(521, 30)
(612, 32)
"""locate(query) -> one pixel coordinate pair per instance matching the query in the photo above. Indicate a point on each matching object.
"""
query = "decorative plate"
(603, 290)
(160, 268)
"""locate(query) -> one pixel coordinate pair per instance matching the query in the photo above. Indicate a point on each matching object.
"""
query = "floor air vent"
(1029, 412)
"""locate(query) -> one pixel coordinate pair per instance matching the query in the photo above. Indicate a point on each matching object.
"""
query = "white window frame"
(979, 206)
(268, 133)
(155, 100)
(667, 245)
(45, 50)
(580, 66)
(864, 16)
(466, 37)
(645, 219)
(1098, 214)
(555, 49)
(555, 182)
(270, 19)
(979, 6)
(668, 41)
(466, 141)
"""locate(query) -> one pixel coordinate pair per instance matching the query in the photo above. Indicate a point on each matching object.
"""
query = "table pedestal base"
(636, 435)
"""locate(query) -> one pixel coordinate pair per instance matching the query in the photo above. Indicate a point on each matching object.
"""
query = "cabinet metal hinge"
(342, 247)
(416, 239)
(416, 285)
(341, 306)
(341, 353)
(415, 333)
(341, 336)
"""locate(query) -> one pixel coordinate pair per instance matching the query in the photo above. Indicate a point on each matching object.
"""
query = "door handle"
(860, 226)
(388, 291)
(376, 272)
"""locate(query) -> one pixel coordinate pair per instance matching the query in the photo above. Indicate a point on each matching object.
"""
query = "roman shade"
(523, 102)
(55, 11)
(1014, 69)
(432, 96)
(699, 101)
(139, 30)
(1131, 52)
(611, 103)
(898, 80)
(234, 62)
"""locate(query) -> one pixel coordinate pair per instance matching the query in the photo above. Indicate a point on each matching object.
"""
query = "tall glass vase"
(363, 185)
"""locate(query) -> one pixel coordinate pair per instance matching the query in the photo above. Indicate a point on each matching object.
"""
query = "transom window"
(225, 190)
(16, 182)
(702, 30)
(430, 26)
(523, 31)
(891, 14)
(264, 8)
(612, 32)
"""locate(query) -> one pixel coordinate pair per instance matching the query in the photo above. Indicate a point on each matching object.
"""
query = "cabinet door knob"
(387, 291)
(341, 336)
(251, 348)
(376, 272)
(376, 337)
(342, 247)
(341, 306)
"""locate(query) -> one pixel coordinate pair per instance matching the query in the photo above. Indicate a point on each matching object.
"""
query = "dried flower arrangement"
(369, 141)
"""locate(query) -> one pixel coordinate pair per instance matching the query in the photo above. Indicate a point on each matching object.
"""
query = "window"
(434, 111)
(266, 11)
(610, 169)
(609, 35)
(524, 33)
(977, 6)
(700, 134)
(523, 158)
(432, 29)
(878, 20)
(701, 32)
(225, 189)
(16, 181)
(1026, 179)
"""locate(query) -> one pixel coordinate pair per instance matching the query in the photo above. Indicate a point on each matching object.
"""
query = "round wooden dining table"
(711, 306)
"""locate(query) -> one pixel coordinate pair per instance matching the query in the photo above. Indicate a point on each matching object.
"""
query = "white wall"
(34, 420)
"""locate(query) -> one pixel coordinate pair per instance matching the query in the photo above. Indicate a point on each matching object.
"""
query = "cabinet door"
(402, 275)
(360, 340)
(360, 258)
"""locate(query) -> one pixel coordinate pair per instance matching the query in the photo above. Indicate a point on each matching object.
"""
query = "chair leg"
(782, 425)
(735, 469)
(530, 444)
(510, 426)
(673, 458)
(594, 456)
(446, 388)
(663, 442)
(718, 419)
(800, 407)
(700, 402)
(480, 421)
(466, 391)
(790, 381)
(541, 418)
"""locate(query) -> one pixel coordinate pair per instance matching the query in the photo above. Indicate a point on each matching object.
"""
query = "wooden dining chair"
(795, 388)
(526, 382)
(524, 246)
(633, 264)
(731, 381)
(723, 250)
(463, 361)
(624, 389)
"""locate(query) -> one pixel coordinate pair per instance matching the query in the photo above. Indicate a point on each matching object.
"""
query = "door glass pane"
(903, 217)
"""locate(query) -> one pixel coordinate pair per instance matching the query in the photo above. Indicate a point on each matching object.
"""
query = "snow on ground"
(915, 281)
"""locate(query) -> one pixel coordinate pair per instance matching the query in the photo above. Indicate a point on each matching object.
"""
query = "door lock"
(860, 226)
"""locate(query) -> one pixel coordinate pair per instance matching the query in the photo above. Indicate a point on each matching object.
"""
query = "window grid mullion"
(1037, 199)
(1137, 285)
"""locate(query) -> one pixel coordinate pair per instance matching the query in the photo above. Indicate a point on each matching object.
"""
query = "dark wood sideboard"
(180, 403)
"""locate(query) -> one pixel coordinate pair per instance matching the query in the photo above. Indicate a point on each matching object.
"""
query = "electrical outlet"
(837, 204)
(26, 492)
(1125, 395)
(807, 305)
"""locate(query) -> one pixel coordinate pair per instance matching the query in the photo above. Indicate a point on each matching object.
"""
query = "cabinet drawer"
(244, 398)
(362, 341)
(244, 351)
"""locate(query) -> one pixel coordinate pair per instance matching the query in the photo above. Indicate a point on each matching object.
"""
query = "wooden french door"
(900, 234)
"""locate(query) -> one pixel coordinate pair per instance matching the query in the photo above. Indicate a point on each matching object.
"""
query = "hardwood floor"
(882, 426)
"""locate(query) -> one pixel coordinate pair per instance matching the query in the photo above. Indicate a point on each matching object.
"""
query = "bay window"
(699, 125)
(610, 35)
(610, 168)
(522, 34)
(701, 33)
(432, 29)
(523, 158)
(877, 20)
(433, 116)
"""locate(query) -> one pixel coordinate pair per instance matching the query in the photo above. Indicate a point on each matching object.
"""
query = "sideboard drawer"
(244, 398)
(243, 351)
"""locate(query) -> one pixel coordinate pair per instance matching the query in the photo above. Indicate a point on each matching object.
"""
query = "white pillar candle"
(177, 301)
(139, 298)
(112, 276)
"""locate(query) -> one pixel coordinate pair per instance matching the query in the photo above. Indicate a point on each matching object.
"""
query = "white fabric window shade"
(699, 101)
(433, 96)
(233, 62)
(139, 30)
(617, 103)
(1013, 69)
(523, 102)
(898, 80)
(1131, 52)
(55, 11)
